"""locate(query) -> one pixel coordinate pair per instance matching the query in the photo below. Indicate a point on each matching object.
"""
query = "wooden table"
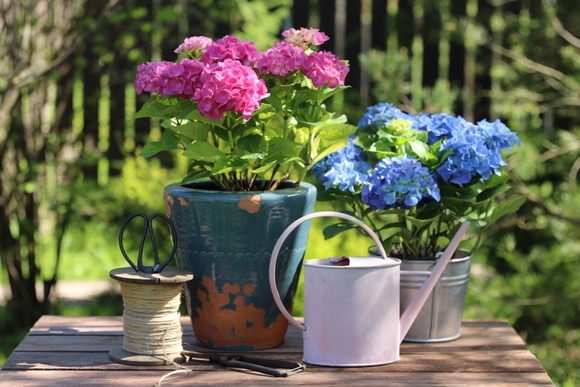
(73, 351)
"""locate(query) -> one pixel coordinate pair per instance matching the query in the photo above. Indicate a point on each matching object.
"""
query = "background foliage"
(69, 151)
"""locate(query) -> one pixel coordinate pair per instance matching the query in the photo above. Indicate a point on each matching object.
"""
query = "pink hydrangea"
(194, 43)
(230, 47)
(282, 59)
(304, 37)
(147, 73)
(228, 86)
(324, 67)
(168, 78)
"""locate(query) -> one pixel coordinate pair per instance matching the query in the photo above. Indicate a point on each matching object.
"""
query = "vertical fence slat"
(104, 129)
(339, 45)
(366, 20)
(444, 45)
(130, 109)
(78, 101)
(471, 9)
(392, 47)
(417, 60)
(156, 55)
(497, 26)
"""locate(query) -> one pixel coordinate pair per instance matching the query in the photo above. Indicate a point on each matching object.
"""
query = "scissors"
(156, 268)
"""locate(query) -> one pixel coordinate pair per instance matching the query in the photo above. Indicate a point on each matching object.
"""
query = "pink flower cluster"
(224, 79)
(229, 85)
(282, 59)
(230, 47)
(324, 67)
(194, 43)
(304, 37)
(168, 78)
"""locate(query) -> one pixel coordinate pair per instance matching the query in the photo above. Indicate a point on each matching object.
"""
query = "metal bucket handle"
(278, 246)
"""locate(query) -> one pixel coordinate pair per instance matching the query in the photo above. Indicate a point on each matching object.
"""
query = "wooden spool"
(169, 275)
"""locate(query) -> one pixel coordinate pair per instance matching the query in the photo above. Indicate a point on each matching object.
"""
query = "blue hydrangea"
(399, 182)
(441, 126)
(497, 135)
(381, 114)
(476, 151)
(419, 121)
(475, 148)
(343, 169)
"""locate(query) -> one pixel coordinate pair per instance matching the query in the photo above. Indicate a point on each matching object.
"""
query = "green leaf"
(490, 193)
(260, 153)
(510, 205)
(153, 147)
(178, 108)
(195, 115)
(200, 150)
(188, 109)
(280, 147)
(393, 225)
(264, 168)
(250, 143)
(153, 109)
(170, 139)
(331, 149)
(196, 131)
(335, 229)
(338, 120)
(202, 174)
(275, 102)
(420, 149)
(336, 131)
(327, 93)
(222, 134)
(495, 180)
(228, 163)
(419, 223)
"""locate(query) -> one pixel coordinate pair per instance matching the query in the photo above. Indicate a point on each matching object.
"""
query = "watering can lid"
(353, 263)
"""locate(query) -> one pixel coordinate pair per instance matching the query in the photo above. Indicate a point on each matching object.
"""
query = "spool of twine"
(151, 318)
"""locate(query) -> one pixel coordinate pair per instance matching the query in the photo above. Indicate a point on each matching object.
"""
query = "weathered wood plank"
(69, 325)
(292, 344)
(487, 361)
(242, 378)
(474, 332)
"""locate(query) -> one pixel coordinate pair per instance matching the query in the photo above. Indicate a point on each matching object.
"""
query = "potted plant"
(247, 120)
(414, 179)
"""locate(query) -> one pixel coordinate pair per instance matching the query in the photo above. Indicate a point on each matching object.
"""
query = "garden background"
(69, 148)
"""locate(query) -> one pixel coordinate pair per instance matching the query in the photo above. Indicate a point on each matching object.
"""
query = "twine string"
(151, 323)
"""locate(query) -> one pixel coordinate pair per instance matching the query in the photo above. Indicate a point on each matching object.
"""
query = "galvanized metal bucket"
(440, 317)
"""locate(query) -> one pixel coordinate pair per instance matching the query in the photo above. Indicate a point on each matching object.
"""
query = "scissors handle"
(157, 267)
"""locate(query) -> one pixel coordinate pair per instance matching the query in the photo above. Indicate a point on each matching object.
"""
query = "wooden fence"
(426, 55)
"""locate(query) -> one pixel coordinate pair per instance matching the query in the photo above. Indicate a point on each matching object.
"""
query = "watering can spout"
(415, 306)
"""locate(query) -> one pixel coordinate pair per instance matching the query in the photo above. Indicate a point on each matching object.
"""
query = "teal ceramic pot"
(226, 239)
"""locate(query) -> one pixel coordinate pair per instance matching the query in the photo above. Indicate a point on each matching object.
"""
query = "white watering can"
(351, 304)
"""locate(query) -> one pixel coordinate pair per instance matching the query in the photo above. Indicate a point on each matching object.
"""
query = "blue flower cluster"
(475, 148)
(343, 169)
(399, 182)
(381, 114)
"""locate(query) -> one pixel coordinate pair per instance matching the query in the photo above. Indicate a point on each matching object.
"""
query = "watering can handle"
(278, 246)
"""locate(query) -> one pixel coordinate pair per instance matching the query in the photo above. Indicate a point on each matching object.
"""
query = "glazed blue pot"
(226, 239)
